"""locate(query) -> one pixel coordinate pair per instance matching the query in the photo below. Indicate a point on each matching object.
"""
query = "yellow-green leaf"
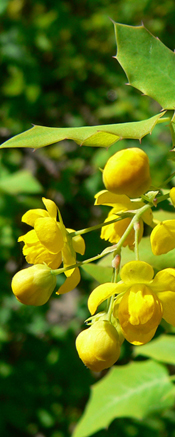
(94, 136)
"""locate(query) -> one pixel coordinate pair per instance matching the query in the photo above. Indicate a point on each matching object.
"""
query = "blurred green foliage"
(57, 70)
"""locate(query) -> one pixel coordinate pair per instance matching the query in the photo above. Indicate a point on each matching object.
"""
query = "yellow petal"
(105, 197)
(140, 312)
(30, 216)
(78, 244)
(39, 254)
(164, 281)
(138, 337)
(71, 282)
(49, 234)
(136, 272)
(29, 238)
(69, 258)
(167, 299)
(99, 294)
(114, 231)
(172, 196)
(163, 237)
(51, 207)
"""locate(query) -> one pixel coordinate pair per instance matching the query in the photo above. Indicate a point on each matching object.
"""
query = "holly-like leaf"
(94, 136)
(149, 65)
(161, 349)
(134, 390)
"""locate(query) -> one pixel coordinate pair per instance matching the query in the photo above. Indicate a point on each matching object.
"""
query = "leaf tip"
(111, 20)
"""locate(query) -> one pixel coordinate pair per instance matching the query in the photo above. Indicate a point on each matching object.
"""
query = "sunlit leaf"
(161, 349)
(94, 136)
(98, 272)
(145, 254)
(134, 390)
(147, 62)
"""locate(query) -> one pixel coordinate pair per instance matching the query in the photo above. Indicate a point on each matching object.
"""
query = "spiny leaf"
(134, 390)
(149, 65)
(94, 136)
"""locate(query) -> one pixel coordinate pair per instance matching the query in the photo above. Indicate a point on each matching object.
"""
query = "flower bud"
(127, 172)
(34, 285)
(98, 346)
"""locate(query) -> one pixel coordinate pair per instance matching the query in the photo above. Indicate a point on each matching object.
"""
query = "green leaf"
(145, 254)
(161, 349)
(20, 182)
(134, 390)
(172, 129)
(98, 272)
(147, 62)
(94, 136)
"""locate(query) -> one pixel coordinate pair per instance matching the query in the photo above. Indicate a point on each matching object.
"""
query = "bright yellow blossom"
(34, 285)
(141, 302)
(127, 172)
(163, 237)
(172, 196)
(99, 346)
(120, 203)
(50, 243)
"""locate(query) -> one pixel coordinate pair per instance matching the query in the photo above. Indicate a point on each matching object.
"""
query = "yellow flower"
(127, 172)
(99, 346)
(34, 285)
(142, 301)
(50, 243)
(172, 196)
(114, 231)
(163, 237)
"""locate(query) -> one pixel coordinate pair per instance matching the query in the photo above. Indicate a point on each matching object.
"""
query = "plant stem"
(94, 228)
(137, 231)
(116, 248)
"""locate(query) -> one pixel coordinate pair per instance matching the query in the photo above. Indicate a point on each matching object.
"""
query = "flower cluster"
(136, 301)
(121, 203)
(140, 302)
(48, 244)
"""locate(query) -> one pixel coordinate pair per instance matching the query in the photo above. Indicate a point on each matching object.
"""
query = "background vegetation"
(57, 70)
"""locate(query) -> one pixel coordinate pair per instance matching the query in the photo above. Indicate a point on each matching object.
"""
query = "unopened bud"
(99, 346)
(127, 172)
(34, 285)
(116, 261)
